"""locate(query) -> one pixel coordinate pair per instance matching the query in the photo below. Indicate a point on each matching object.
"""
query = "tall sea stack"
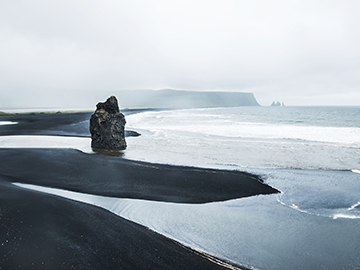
(107, 126)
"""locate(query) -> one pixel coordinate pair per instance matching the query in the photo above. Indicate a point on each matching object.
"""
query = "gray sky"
(300, 52)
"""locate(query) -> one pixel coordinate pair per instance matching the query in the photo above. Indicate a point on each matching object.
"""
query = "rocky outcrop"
(107, 126)
(277, 103)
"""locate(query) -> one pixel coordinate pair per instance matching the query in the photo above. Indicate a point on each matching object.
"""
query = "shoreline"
(77, 171)
(44, 231)
(55, 123)
(100, 175)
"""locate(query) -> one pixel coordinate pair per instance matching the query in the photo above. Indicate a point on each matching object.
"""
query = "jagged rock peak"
(110, 105)
(107, 126)
(277, 103)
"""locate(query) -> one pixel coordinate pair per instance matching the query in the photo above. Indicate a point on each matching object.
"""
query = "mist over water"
(266, 137)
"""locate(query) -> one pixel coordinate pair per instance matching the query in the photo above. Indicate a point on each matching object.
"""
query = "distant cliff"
(183, 99)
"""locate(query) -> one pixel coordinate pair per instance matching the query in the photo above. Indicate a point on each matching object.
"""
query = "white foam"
(77, 196)
(185, 148)
(34, 141)
(39, 110)
(354, 206)
(295, 207)
(355, 171)
(2, 123)
(186, 137)
(323, 213)
(207, 123)
(347, 216)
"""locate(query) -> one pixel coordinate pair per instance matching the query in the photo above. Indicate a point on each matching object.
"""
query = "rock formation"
(278, 103)
(107, 126)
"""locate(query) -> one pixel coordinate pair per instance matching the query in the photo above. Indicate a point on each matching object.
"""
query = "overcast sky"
(299, 52)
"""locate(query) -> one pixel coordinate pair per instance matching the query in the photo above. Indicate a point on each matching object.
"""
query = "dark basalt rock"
(110, 105)
(107, 126)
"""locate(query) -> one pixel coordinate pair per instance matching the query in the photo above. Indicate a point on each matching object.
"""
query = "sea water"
(311, 154)
(258, 137)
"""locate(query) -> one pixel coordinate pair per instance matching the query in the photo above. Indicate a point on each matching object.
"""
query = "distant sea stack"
(277, 103)
(107, 126)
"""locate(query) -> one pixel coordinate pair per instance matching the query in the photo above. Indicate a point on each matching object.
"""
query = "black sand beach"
(61, 124)
(117, 177)
(41, 231)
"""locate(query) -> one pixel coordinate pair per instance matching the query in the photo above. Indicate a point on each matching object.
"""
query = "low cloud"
(302, 52)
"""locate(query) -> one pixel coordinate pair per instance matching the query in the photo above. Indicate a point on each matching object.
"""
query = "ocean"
(310, 154)
(256, 137)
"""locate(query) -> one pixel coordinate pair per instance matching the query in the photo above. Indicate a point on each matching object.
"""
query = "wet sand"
(41, 231)
(117, 177)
